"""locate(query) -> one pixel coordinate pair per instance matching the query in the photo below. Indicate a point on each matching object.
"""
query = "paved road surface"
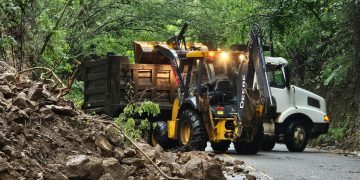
(310, 164)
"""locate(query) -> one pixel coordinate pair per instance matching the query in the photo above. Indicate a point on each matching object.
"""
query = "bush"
(134, 127)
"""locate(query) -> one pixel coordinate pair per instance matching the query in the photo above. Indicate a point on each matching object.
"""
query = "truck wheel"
(221, 146)
(296, 136)
(268, 143)
(250, 147)
(191, 132)
(159, 136)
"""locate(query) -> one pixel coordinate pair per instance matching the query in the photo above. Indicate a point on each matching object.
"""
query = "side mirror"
(287, 76)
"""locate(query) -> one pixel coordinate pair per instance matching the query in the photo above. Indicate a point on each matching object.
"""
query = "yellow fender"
(172, 124)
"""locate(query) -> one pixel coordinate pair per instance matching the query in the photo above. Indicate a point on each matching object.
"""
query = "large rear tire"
(253, 147)
(296, 136)
(191, 131)
(159, 136)
(220, 147)
(268, 143)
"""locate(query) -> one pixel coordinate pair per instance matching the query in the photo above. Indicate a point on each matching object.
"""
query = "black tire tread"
(289, 136)
(221, 146)
(198, 137)
(161, 134)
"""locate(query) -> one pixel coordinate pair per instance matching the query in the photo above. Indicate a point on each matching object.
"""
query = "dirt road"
(310, 164)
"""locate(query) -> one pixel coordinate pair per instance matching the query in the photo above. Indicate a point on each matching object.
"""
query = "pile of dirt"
(44, 137)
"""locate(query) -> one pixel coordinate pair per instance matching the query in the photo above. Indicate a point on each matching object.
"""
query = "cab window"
(275, 76)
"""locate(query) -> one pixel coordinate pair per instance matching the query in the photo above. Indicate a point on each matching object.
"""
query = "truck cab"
(300, 114)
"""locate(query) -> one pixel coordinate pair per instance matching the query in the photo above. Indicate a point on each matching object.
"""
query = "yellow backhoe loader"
(221, 96)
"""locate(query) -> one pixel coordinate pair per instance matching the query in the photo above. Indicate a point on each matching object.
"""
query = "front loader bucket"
(145, 53)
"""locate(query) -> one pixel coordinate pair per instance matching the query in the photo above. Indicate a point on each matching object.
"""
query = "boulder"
(10, 77)
(94, 168)
(75, 166)
(23, 103)
(114, 135)
(103, 144)
(214, 172)
(5, 89)
(238, 162)
(4, 165)
(250, 177)
(137, 162)
(106, 176)
(35, 92)
(129, 152)
(17, 115)
(114, 169)
(238, 169)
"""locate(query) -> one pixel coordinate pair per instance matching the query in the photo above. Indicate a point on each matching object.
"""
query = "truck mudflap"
(318, 129)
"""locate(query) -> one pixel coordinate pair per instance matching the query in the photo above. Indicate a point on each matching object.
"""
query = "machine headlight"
(242, 57)
(224, 56)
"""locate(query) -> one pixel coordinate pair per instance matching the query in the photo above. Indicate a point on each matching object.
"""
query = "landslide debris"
(44, 137)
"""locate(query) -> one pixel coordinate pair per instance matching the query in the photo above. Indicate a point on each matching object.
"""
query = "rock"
(75, 166)
(56, 176)
(166, 170)
(4, 67)
(129, 152)
(35, 92)
(149, 150)
(21, 94)
(23, 103)
(152, 177)
(94, 167)
(250, 177)
(238, 169)
(10, 151)
(175, 168)
(10, 77)
(118, 154)
(137, 162)
(4, 165)
(238, 162)
(63, 111)
(106, 176)
(5, 89)
(230, 172)
(114, 169)
(114, 135)
(184, 158)
(17, 115)
(46, 113)
(3, 140)
(103, 144)
(214, 172)
(228, 163)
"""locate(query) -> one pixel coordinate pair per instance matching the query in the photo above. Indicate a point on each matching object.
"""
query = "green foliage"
(76, 94)
(135, 127)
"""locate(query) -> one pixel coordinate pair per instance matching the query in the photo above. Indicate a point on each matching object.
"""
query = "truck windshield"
(275, 76)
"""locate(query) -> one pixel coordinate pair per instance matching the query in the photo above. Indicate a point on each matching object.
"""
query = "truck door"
(276, 78)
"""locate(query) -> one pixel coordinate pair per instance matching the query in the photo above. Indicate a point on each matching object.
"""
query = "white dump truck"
(301, 114)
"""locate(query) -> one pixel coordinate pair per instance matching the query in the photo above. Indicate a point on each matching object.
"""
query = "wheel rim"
(185, 133)
(299, 135)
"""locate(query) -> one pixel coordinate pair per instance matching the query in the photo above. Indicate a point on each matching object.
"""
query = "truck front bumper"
(319, 128)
